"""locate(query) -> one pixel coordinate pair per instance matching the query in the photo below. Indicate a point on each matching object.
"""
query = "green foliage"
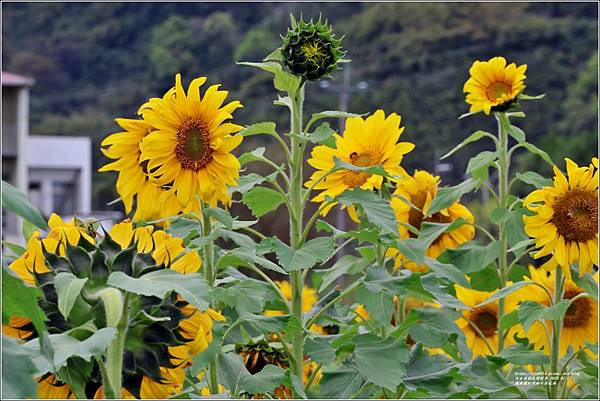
(17, 371)
(262, 200)
(16, 201)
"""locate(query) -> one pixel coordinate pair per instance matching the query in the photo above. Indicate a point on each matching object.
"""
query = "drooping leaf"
(15, 201)
(537, 151)
(519, 354)
(323, 134)
(516, 133)
(347, 264)
(231, 371)
(471, 257)
(17, 371)
(478, 165)
(265, 381)
(262, 200)
(319, 349)
(313, 251)
(68, 288)
(533, 178)
(377, 210)
(244, 296)
(475, 136)
(381, 361)
(256, 154)
(192, 287)
(446, 196)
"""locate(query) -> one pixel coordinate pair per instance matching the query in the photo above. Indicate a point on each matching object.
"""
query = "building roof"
(10, 79)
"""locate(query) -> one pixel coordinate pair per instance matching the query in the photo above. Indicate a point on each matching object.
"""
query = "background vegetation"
(97, 61)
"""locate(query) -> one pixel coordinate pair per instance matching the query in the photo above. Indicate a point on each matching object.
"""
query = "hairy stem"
(556, 329)
(213, 382)
(503, 166)
(114, 355)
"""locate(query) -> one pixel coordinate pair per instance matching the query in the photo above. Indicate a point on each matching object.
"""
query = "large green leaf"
(530, 311)
(267, 128)
(446, 196)
(245, 296)
(231, 371)
(255, 155)
(519, 354)
(347, 264)
(433, 327)
(472, 257)
(68, 287)
(262, 200)
(319, 349)
(341, 383)
(378, 211)
(265, 381)
(427, 371)
(505, 292)
(15, 201)
(532, 178)
(244, 256)
(381, 361)
(192, 287)
(537, 151)
(478, 165)
(66, 346)
(17, 371)
(313, 251)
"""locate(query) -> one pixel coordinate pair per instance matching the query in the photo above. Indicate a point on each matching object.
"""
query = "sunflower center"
(364, 159)
(193, 149)
(576, 215)
(578, 312)
(497, 90)
(486, 321)
(416, 217)
(314, 52)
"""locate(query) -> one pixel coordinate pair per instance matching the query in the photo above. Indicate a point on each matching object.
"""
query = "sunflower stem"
(503, 167)
(212, 380)
(556, 329)
(114, 354)
(298, 144)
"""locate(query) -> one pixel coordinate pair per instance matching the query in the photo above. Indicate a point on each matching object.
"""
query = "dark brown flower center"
(193, 148)
(578, 313)
(487, 321)
(576, 215)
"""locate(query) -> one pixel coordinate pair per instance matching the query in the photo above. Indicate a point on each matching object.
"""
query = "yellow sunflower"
(172, 384)
(580, 324)
(485, 318)
(190, 148)
(565, 220)
(492, 83)
(133, 181)
(366, 142)
(50, 388)
(309, 297)
(420, 189)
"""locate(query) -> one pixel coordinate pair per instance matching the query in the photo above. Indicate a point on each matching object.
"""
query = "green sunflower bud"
(310, 50)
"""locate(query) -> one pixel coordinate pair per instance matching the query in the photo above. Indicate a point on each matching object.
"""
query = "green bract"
(310, 50)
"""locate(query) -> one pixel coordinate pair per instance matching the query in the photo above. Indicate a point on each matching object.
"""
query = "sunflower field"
(417, 299)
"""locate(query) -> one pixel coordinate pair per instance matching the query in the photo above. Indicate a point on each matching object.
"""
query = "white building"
(54, 171)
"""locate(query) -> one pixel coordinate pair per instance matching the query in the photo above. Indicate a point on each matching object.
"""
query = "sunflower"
(565, 220)
(580, 324)
(50, 388)
(485, 318)
(419, 190)
(170, 385)
(125, 395)
(190, 149)
(493, 85)
(365, 143)
(133, 181)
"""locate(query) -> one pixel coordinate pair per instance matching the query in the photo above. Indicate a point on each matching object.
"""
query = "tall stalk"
(212, 380)
(114, 353)
(556, 329)
(503, 167)
(298, 144)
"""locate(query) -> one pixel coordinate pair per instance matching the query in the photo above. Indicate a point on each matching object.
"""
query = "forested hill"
(96, 61)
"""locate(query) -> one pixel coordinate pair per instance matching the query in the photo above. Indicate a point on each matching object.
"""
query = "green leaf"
(255, 155)
(376, 170)
(433, 327)
(17, 371)
(515, 228)
(28, 229)
(203, 359)
(537, 151)
(231, 371)
(471, 257)
(516, 133)
(427, 371)
(269, 66)
(16, 249)
(499, 215)
(448, 195)
(68, 288)
(429, 232)
(265, 381)
(340, 383)
(262, 200)
(222, 216)
(319, 349)
(448, 271)
(267, 128)
(381, 361)
(241, 257)
(519, 354)
(347, 264)
(475, 136)
(378, 211)
(523, 96)
(286, 82)
(192, 287)
(504, 292)
(586, 282)
(478, 165)
(66, 346)
(18, 299)
(248, 181)
(316, 250)
(245, 296)
(530, 311)
(532, 178)
(16, 201)
(509, 320)
(330, 114)
(322, 134)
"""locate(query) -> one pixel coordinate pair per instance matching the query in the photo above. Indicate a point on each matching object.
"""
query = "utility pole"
(344, 91)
